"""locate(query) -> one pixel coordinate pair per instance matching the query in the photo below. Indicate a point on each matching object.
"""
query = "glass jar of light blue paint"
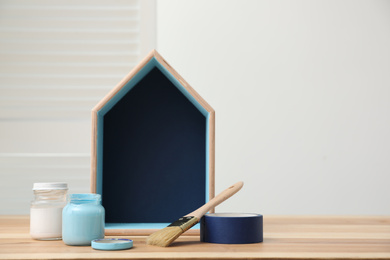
(82, 219)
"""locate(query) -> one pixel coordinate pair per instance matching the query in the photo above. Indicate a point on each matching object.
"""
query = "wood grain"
(285, 237)
(212, 156)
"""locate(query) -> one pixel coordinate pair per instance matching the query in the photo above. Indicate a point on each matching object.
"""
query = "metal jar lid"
(50, 186)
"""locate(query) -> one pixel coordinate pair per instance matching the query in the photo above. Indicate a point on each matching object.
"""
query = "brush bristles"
(165, 236)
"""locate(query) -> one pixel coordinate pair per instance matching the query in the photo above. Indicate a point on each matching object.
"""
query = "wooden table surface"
(285, 237)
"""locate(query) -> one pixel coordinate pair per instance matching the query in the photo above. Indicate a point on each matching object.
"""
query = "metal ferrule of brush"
(185, 223)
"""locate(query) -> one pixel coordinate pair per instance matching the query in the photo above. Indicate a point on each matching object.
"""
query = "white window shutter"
(57, 60)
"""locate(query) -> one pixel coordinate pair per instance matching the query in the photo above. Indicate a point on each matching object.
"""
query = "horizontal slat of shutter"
(49, 46)
(25, 169)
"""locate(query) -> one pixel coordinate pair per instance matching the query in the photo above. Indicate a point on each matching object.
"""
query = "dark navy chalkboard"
(153, 153)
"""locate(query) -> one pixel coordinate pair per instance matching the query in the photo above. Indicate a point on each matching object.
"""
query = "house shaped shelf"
(152, 149)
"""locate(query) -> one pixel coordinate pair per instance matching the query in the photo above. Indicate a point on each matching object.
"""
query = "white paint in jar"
(46, 210)
(46, 223)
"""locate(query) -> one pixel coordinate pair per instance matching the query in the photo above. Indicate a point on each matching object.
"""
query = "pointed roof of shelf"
(152, 60)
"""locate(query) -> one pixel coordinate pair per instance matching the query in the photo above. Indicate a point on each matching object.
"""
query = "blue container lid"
(112, 244)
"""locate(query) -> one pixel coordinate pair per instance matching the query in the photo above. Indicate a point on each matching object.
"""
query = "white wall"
(301, 91)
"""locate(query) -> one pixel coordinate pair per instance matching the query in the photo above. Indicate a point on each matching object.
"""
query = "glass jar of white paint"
(46, 210)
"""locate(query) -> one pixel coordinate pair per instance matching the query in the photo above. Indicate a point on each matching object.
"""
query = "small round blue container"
(82, 219)
(231, 228)
(111, 244)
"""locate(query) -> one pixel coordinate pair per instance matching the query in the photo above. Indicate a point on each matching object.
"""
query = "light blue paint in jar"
(82, 219)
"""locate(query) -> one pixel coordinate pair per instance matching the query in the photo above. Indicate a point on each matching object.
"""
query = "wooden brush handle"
(221, 197)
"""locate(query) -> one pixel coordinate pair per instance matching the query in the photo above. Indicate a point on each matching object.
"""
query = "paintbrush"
(166, 236)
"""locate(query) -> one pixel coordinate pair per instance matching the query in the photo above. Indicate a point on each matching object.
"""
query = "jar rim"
(50, 186)
(84, 197)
